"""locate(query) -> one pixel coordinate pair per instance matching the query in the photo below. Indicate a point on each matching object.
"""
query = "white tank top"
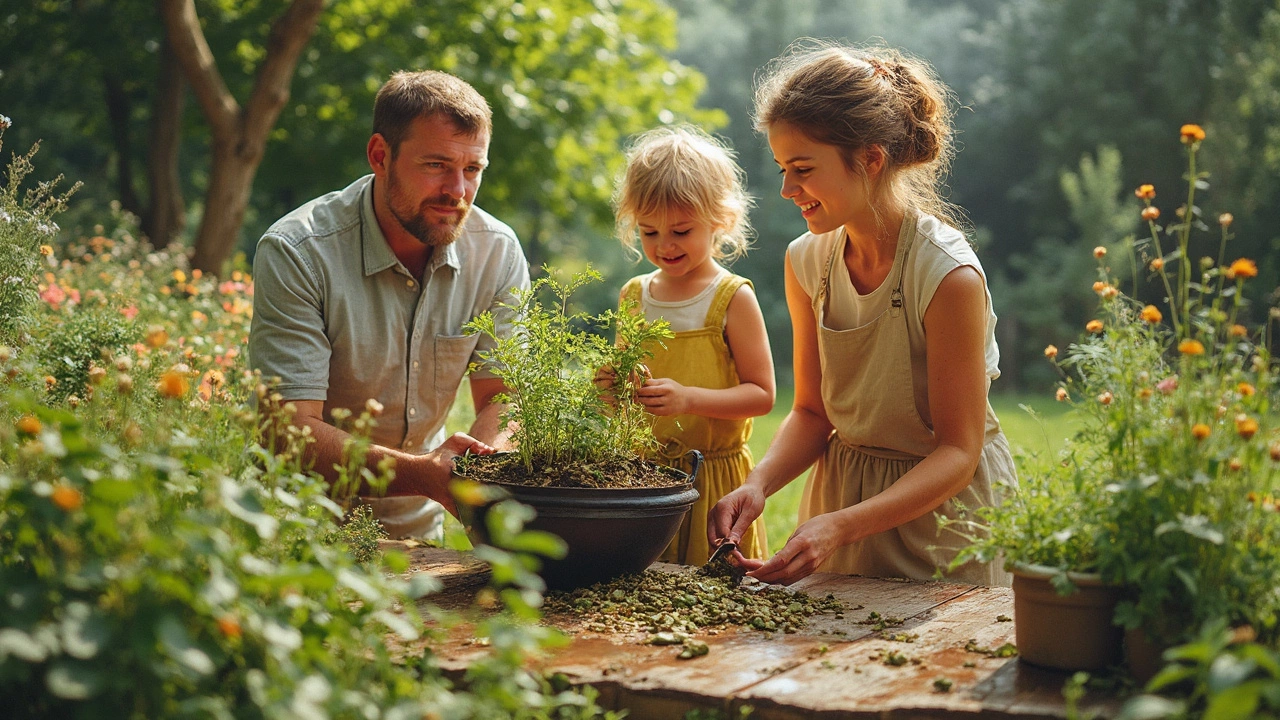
(683, 315)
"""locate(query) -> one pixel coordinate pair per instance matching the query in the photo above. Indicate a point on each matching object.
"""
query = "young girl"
(682, 195)
(893, 326)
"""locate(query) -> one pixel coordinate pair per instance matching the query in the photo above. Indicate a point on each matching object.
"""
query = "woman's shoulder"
(809, 253)
(941, 245)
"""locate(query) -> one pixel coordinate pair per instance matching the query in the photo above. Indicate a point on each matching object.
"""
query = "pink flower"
(130, 312)
(1168, 385)
(54, 295)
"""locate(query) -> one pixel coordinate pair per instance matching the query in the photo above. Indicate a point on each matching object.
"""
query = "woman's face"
(816, 178)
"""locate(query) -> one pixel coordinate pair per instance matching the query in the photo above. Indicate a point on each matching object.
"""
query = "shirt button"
(410, 283)
(413, 411)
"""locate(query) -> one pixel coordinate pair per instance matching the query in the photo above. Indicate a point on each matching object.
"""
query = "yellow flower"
(1099, 252)
(1051, 352)
(1245, 389)
(173, 384)
(156, 337)
(1061, 395)
(1150, 213)
(1243, 268)
(179, 276)
(1225, 219)
(1192, 134)
(1151, 314)
(1238, 331)
(1246, 427)
(1157, 264)
(1094, 326)
(46, 250)
(1191, 347)
(1199, 431)
(1145, 192)
(67, 498)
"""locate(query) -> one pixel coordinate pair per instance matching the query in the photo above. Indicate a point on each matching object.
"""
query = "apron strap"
(728, 287)
(900, 263)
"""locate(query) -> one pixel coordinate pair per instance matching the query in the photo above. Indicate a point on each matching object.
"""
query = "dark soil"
(506, 469)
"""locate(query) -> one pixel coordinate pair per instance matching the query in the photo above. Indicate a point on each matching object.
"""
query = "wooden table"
(830, 668)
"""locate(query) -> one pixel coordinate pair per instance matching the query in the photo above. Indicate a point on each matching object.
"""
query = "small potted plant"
(1168, 490)
(579, 449)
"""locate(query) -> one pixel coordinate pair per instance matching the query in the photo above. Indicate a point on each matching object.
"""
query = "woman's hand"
(664, 396)
(807, 548)
(729, 519)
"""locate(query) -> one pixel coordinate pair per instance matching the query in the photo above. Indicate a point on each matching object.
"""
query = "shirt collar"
(377, 252)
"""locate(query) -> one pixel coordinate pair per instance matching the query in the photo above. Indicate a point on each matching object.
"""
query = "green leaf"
(178, 644)
(83, 631)
(1152, 707)
(422, 584)
(1233, 703)
(1228, 671)
(539, 542)
(21, 645)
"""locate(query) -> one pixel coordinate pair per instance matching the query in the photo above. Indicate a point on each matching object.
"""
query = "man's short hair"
(408, 96)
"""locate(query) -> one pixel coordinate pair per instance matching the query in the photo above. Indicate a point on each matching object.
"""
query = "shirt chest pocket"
(451, 355)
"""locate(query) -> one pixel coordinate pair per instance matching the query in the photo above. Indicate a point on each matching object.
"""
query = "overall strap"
(727, 288)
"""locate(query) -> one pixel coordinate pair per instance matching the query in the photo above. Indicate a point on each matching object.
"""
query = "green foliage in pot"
(549, 363)
(1169, 487)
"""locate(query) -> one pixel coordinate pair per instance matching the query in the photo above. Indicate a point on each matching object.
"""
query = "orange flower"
(1144, 393)
(1094, 326)
(1151, 314)
(1274, 451)
(1191, 347)
(28, 424)
(1225, 219)
(1099, 252)
(49, 382)
(67, 498)
(1245, 389)
(156, 337)
(1243, 268)
(1106, 398)
(173, 384)
(46, 250)
(1199, 431)
(1192, 134)
(1157, 264)
(1235, 465)
(1145, 192)
(229, 626)
(1246, 427)
(1061, 395)
(1150, 213)
(1051, 351)
(1099, 286)
(1238, 331)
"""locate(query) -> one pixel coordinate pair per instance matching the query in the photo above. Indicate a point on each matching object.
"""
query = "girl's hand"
(664, 396)
(806, 549)
(730, 518)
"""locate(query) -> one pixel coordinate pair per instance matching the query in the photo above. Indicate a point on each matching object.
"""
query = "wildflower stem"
(1184, 239)
(1164, 276)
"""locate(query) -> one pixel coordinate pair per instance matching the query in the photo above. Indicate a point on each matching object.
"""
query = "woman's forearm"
(801, 439)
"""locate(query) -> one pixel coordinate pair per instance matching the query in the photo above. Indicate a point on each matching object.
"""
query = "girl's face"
(676, 241)
(816, 178)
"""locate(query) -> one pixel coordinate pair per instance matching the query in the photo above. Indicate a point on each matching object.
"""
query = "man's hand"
(435, 469)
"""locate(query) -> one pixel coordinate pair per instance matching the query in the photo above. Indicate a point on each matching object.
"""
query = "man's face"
(433, 179)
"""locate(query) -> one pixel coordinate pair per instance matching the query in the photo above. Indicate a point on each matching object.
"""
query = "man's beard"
(414, 221)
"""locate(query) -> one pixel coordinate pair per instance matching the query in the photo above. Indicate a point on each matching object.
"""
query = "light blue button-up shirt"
(338, 318)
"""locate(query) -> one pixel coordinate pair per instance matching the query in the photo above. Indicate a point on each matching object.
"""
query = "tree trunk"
(118, 112)
(167, 215)
(239, 134)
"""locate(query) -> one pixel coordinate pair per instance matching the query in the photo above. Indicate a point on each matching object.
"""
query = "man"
(362, 293)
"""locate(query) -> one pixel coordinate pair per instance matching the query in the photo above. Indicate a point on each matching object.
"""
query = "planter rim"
(1044, 572)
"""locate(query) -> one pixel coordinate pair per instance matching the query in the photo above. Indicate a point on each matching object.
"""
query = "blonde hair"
(854, 97)
(683, 167)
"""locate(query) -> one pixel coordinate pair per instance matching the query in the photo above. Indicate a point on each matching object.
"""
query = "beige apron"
(867, 390)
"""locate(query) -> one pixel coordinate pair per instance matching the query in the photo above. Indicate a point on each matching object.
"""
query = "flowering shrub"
(157, 559)
(1169, 486)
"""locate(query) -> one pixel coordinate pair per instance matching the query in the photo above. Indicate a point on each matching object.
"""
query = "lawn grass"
(1042, 433)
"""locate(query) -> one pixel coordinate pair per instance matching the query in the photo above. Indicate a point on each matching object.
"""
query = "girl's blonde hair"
(853, 97)
(683, 167)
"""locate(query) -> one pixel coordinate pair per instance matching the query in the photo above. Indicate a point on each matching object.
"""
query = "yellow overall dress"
(700, 358)
(867, 390)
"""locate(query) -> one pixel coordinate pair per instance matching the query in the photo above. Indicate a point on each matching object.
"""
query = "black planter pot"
(608, 531)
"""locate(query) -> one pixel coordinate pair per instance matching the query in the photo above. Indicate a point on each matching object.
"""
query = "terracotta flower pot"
(1066, 632)
(1144, 657)
(608, 531)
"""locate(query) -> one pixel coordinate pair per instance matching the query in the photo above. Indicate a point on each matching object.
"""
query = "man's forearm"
(328, 451)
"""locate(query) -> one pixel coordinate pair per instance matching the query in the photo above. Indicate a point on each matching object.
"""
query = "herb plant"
(1169, 488)
(549, 363)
